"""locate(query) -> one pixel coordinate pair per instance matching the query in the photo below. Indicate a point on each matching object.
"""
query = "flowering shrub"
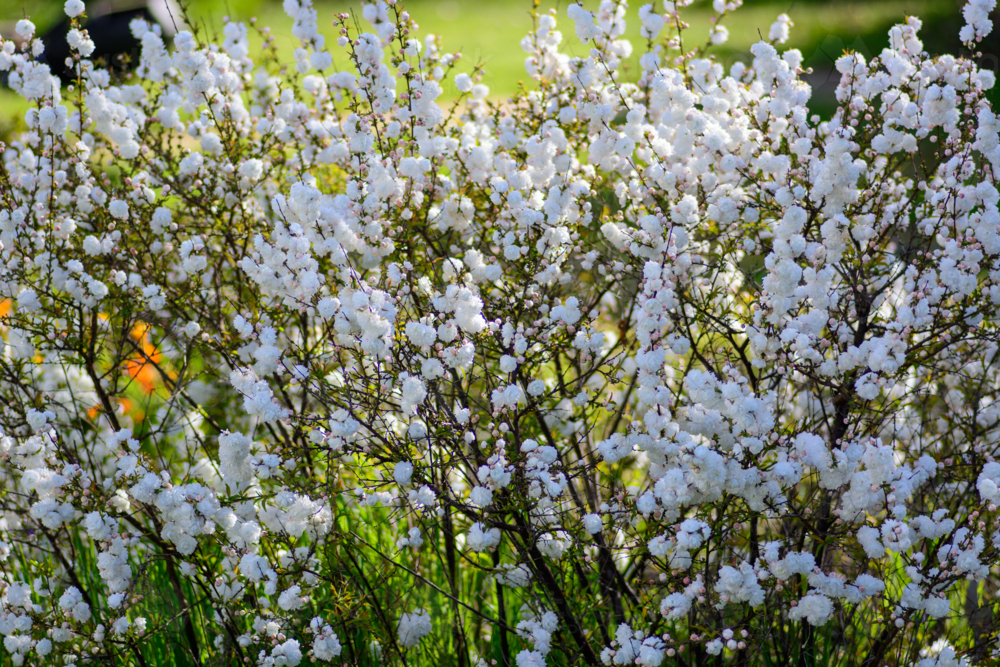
(303, 365)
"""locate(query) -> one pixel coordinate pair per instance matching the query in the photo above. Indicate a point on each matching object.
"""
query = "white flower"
(988, 481)
(481, 539)
(592, 523)
(413, 627)
(74, 8)
(118, 209)
(403, 473)
(414, 393)
(508, 364)
(675, 605)
(327, 646)
(815, 608)
(27, 301)
(252, 169)
(528, 658)
(24, 29)
(720, 34)
(235, 462)
(780, 29)
(120, 626)
(291, 598)
(417, 430)
(287, 653)
(44, 647)
(481, 496)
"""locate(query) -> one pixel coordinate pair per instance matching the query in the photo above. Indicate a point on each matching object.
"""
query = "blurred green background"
(489, 31)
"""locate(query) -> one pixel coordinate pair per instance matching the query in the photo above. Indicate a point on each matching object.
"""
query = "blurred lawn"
(489, 31)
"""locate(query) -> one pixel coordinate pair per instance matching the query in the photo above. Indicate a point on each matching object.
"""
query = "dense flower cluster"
(644, 364)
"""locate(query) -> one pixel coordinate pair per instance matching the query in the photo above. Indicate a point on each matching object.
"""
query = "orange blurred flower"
(141, 366)
(125, 407)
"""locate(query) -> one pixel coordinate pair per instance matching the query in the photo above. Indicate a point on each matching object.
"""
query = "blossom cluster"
(304, 362)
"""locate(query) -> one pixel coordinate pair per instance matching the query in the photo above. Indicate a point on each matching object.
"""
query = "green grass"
(489, 31)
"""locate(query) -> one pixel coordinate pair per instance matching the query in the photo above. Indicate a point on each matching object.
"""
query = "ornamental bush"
(646, 365)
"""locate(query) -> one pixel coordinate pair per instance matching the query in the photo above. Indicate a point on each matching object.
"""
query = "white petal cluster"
(413, 627)
(310, 343)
